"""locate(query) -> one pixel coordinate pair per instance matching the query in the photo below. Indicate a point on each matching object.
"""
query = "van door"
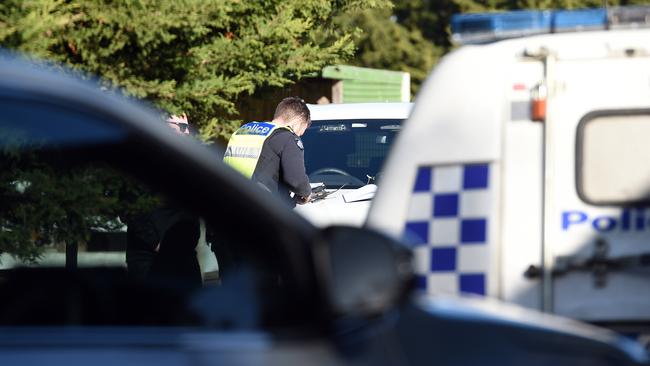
(597, 180)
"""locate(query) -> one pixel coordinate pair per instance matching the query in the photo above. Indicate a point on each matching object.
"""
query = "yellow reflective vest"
(245, 146)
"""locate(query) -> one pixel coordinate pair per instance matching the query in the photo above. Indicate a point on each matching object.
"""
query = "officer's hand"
(302, 200)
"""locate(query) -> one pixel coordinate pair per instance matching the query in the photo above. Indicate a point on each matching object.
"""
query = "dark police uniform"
(271, 156)
(281, 165)
(177, 232)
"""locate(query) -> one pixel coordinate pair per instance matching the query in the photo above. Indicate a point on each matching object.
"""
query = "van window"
(613, 156)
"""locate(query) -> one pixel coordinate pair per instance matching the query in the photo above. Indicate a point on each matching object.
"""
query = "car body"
(300, 295)
(345, 148)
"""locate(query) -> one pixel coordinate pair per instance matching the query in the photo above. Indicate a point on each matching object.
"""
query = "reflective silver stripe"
(243, 152)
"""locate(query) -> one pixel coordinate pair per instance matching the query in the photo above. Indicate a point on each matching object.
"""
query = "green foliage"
(385, 44)
(47, 201)
(194, 56)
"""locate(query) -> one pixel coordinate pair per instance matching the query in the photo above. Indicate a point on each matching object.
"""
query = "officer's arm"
(292, 166)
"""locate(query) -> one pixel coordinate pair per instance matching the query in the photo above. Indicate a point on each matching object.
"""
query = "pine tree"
(384, 43)
(193, 56)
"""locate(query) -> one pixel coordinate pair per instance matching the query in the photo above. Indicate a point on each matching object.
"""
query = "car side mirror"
(365, 272)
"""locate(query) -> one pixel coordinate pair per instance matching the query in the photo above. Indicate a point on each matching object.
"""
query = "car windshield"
(348, 152)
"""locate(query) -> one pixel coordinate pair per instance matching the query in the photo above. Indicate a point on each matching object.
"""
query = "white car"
(345, 148)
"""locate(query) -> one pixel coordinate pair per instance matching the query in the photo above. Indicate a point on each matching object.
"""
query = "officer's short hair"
(292, 107)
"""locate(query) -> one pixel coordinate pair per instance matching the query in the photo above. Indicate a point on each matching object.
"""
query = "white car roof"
(360, 111)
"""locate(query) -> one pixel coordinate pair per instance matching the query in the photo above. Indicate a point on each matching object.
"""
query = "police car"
(522, 173)
(345, 148)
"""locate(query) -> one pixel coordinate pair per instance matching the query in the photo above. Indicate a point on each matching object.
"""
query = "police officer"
(271, 153)
(161, 242)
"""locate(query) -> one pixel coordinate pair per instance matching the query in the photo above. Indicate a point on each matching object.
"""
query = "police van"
(523, 172)
(345, 148)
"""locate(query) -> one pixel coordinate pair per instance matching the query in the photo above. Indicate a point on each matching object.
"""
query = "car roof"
(360, 111)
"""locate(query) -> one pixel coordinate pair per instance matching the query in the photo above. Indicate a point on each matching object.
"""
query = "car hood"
(449, 326)
(342, 207)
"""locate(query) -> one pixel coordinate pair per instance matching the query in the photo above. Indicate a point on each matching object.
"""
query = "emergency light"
(488, 27)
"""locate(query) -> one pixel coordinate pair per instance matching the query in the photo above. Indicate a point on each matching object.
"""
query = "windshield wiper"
(319, 193)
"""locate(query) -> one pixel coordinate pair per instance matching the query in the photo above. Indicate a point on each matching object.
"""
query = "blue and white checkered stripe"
(448, 226)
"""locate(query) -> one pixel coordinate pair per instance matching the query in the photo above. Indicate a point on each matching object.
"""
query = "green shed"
(333, 84)
(360, 84)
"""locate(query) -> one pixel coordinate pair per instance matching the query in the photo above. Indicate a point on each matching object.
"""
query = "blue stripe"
(443, 259)
(423, 180)
(473, 231)
(475, 176)
(472, 283)
(416, 233)
(445, 205)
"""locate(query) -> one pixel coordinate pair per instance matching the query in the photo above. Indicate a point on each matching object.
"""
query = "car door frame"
(151, 150)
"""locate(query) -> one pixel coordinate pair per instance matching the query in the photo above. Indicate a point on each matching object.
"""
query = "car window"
(348, 152)
(610, 145)
(85, 241)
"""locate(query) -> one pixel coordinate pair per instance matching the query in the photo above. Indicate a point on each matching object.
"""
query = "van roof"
(360, 111)
(593, 44)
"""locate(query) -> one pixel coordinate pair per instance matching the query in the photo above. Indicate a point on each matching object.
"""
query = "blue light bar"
(477, 28)
(576, 20)
(489, 27)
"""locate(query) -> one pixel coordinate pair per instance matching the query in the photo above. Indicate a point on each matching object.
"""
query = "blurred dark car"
(77, 158)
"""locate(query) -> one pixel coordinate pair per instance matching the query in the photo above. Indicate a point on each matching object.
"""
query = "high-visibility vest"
(245, 146)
